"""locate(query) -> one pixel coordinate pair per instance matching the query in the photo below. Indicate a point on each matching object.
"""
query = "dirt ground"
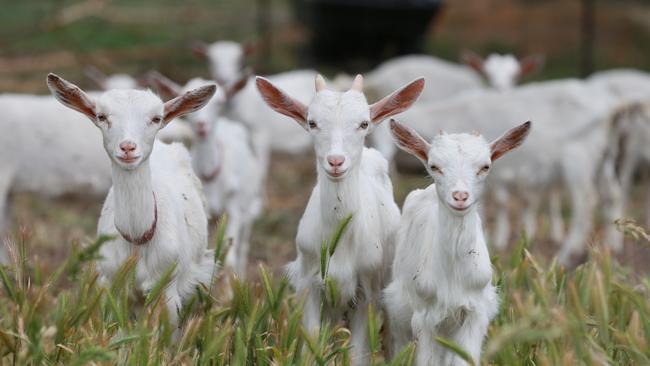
(52, 226)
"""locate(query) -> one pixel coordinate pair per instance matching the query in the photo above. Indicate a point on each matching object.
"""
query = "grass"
(597, 314)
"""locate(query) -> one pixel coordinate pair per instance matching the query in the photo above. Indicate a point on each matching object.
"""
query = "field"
(54, 312)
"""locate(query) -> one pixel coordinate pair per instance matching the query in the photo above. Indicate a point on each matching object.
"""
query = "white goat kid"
(442, 272)
(155, 208)
(227, 60)
(351, 180)
(110, 82)
(224, 160)
(503, 72)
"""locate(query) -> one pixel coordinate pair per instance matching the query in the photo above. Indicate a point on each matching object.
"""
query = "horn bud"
(357, 84)
(320, 83)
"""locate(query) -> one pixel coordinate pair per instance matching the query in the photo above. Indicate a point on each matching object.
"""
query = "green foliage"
(597, 314)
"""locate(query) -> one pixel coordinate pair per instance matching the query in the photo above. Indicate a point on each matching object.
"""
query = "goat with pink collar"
(442, 273)
(224, 160)
(353, 180)
(155, 208)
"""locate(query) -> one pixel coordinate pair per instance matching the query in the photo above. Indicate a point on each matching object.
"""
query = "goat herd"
(589, 137)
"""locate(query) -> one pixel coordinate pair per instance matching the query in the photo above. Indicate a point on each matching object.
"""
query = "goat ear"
(409, 140)
(238, 86)
(281, 102)
(199, 50)
(397, 102)
(165, 86)
(472, 60)
(96, 76)
(249, 48)
(189, 102)
(509, 140)
(530, 65)
(71, 96)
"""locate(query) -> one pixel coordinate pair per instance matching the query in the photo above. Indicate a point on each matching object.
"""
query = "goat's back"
(51, 149)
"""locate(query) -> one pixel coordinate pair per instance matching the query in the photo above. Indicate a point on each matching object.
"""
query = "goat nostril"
(460, 196)
(127, 146)
(335, 160)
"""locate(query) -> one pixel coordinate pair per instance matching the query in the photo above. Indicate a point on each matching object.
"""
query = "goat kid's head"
(339, 121)
(458, 163)
(203, 120)
(503, 72)
(109, 82)
(128, 119)
(227, 60)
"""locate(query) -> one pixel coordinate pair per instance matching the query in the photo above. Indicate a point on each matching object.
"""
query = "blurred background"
(577, 37)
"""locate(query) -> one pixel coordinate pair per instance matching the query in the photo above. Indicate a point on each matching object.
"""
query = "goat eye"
(435, 169)
(312, 124)
(484, 169)
(156, 119)
(363, 125)
(101, 117)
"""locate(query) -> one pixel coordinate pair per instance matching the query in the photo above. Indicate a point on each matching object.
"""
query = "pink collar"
(148, 235)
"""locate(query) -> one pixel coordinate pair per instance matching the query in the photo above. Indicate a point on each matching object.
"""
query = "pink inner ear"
(397, 102)
(510, 140)
(72, 96)
(409, 140)
(473, 60)
(199, 49)
(191, 101)
(164, 85)
(280, 102)
(531, 64)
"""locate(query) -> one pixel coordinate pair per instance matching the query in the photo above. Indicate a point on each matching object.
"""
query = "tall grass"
(597, 314)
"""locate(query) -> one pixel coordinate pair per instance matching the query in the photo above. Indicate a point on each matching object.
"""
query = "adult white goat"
(224, 160)
(47, 150)
(155, 208)
(446, 80)
(442, 272)
(351, 180)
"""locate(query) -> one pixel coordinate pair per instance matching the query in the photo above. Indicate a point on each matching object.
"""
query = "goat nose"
(128, 146)
(460, 196)
(335, 161)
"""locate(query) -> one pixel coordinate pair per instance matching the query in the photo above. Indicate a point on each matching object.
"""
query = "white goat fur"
(442, 272)
(359, 185)
(49, 150)
(177, 132)
(157, 185)
(444, 79)
(268, 130)
(226, 61)
(237, 188)
(632, 123)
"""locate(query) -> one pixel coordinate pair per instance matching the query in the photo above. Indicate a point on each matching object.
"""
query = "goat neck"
(207, 157)
(135, 205)
(340, 197)
(457, 234)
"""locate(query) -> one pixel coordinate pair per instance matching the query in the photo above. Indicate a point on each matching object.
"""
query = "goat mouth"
(128, 159)
(459, 209)
(336, 174)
